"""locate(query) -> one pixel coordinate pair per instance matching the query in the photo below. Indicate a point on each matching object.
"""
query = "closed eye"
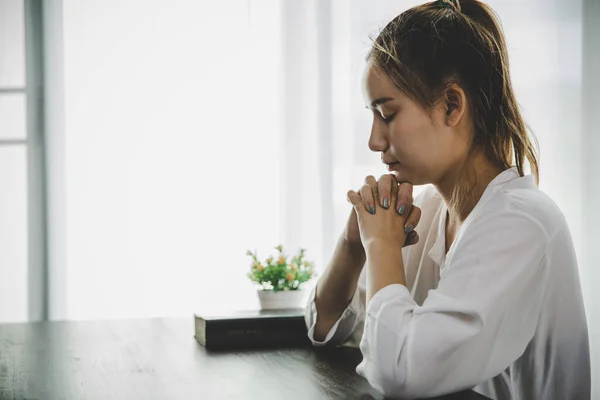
(377, 113)
(388, 119)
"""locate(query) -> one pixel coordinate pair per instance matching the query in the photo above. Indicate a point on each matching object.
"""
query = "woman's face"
(418, 148)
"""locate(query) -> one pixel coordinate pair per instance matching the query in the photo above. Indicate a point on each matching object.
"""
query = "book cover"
(251, 328)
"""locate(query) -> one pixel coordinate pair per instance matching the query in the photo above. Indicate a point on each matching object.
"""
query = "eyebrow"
(378, 102)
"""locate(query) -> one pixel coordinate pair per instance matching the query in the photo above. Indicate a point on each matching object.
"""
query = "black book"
(251, 328)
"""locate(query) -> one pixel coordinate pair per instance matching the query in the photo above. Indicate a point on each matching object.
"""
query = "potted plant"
(280, 278)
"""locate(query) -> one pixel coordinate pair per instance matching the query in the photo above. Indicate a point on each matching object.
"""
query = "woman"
(487, 294)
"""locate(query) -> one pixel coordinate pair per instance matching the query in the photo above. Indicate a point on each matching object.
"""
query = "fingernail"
(408, 229)
(386, 202)
(371, 208)
(401, 209)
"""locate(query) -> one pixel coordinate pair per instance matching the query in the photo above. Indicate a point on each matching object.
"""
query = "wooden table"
(159, 359)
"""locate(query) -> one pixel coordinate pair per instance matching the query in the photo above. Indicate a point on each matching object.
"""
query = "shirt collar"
(437, 253)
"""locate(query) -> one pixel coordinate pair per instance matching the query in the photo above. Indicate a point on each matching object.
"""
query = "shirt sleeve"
(353, 317)
(478, 321)
(346, 324)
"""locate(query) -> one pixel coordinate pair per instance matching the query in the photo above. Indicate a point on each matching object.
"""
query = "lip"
(393, 166)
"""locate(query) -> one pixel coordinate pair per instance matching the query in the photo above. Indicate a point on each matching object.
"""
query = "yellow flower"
(281, 260)
(260, 267)
(290, 277)
(269, 260)
(293, 267)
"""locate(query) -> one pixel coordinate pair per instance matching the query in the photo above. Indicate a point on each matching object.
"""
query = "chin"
(403, 175)
(400, 173)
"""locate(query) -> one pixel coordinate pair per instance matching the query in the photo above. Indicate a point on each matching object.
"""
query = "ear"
(455, 104)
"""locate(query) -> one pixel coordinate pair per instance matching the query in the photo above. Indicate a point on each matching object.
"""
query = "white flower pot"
(270, 300)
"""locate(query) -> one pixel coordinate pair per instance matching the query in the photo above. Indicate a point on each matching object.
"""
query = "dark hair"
(429, 47)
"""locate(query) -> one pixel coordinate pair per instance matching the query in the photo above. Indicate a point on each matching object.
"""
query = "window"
(13, 164)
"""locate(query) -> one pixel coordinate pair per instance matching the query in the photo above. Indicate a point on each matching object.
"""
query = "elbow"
(392, 385)
(391, 371)
(393, 376)
(394, 373)
(413, 361)
(414, 379)
(326, 331)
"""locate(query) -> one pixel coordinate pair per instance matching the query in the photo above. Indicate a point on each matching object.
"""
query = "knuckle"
(414, 218)
(365, 189)
(370, 179)
(405, 193)
(352, 196)
(385, 178)
(394, 186)
(415, 214)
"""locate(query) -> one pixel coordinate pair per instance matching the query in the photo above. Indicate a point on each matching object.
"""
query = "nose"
(378, 141)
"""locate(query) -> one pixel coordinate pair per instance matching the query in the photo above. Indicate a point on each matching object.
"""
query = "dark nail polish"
(408, 229)
(402, 209)
(386, 203)
(371, 208)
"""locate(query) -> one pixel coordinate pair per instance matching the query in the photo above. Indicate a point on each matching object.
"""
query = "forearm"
(337, 285)
(385, 266)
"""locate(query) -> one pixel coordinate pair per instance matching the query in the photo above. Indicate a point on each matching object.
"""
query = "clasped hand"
(385, 212)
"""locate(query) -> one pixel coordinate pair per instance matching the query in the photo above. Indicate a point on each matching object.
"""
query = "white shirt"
(501, 312)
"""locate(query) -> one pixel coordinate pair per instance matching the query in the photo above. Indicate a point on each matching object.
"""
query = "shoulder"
(523, 203)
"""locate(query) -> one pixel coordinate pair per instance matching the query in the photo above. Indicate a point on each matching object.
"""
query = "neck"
(483, 172)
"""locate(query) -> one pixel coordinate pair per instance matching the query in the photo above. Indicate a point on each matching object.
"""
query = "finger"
(412, 220)
(411, 239)
(371, 181)
(394, 191)
(354, 198)
(384, 186)
(394, 184)
(414, 238)
(405, 198)
(366, 194)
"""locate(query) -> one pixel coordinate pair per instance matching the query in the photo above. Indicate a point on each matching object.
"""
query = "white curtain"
(195, 130)
(171, 155)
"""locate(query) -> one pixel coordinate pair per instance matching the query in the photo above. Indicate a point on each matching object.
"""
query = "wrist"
(385, 265)
(382, 246)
